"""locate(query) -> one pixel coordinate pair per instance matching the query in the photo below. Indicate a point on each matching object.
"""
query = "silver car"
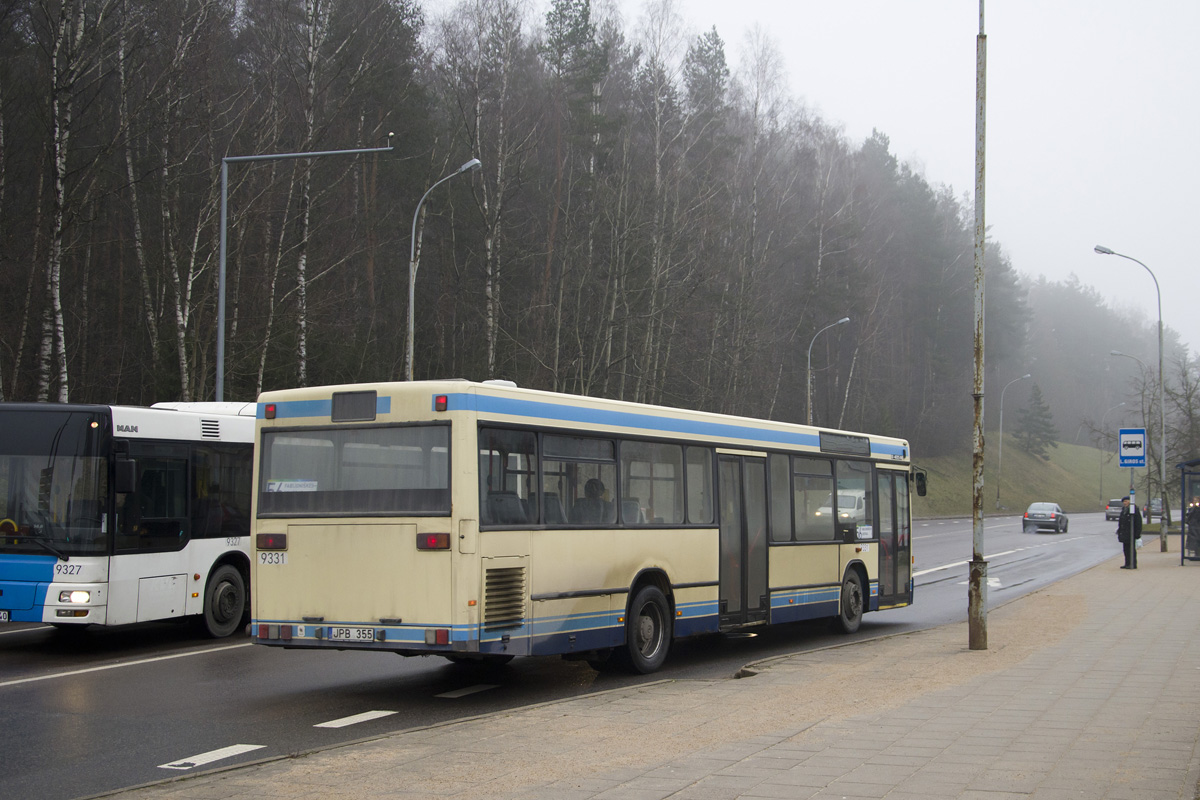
(1045, 516)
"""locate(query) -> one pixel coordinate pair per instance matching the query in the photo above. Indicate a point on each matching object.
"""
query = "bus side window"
(505, 508)
(155, 516)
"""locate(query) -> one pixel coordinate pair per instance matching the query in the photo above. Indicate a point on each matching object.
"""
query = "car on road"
(1113, 509)
(1152, 509)
(1045, 516)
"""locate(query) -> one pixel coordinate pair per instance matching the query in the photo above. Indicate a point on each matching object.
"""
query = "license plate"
(352, 634)
(3, 616)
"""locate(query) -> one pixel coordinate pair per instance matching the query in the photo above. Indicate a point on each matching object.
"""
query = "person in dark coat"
(1129, 530)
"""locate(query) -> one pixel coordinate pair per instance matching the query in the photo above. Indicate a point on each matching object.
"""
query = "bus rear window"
(355, 471)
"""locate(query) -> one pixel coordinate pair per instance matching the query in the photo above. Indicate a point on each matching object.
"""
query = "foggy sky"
(1092, 120)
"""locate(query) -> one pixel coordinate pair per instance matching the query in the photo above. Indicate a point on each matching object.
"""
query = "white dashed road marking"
(211, 756)
(366, 716)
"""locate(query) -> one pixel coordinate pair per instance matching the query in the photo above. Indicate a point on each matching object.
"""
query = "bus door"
(744, 596)
(895, 554)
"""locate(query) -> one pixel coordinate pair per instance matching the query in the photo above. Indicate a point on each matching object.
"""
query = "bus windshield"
(368, 471)
(53, 483)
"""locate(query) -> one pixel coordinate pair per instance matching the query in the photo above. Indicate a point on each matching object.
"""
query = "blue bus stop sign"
(1131, 447)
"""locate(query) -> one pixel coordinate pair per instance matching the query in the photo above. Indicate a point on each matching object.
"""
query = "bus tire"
(647, 631)
(850, 609)
(224, 601)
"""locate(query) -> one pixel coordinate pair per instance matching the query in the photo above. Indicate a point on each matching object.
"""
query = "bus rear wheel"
(224, 601)
(647, 631)
(850, 612)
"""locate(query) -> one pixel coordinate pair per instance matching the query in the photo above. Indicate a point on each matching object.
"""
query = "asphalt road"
(101, 710)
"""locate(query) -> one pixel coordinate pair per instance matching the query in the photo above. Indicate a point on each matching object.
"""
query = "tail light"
(433, 541)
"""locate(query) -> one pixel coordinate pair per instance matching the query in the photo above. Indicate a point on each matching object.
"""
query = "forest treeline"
(650, 222)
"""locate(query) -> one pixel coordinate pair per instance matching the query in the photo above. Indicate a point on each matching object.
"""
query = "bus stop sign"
(1131, 447)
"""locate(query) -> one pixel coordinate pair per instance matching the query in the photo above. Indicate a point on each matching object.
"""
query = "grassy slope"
(1070, 478)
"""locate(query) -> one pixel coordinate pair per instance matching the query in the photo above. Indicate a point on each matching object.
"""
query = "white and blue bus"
(111, 515)
(479, 521)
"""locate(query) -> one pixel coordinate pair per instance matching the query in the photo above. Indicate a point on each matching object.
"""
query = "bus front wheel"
(647, 631)
(851, 611)
(224, 601)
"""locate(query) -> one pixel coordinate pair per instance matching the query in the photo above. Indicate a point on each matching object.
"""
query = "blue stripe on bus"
(487, 404)
(292, 409)
(27, 568)
(466, 401)
(696, 617)
(24, 581)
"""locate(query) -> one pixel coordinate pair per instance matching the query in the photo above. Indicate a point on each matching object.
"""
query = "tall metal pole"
(1102, 416)
(977, 584)
(1000, 460)
(1165, 519)
(808, 374)
(219, 387)
(470, 166)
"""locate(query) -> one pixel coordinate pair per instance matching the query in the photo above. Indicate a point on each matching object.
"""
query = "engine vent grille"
(210, 429)
(504, 598)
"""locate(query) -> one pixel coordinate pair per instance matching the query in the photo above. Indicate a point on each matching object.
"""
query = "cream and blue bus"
(482, 521)
(111, 515)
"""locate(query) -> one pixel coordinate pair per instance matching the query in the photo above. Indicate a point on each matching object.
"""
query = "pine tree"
(1035, 429)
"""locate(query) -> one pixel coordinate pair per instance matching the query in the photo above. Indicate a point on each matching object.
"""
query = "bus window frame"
(686, 445)
(260, 465)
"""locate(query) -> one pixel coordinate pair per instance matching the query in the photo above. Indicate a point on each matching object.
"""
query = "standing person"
(1129, 529)
(1193, 527)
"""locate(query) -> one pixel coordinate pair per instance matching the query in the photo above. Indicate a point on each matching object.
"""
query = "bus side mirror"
(919, 478)
(126, 476)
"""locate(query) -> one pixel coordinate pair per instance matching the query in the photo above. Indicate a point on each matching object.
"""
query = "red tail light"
(433, 541)
(270, 541)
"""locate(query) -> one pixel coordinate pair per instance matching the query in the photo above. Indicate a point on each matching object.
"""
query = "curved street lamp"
(1162, 416)
(808, 375)
(1000, 450)
(471, 166)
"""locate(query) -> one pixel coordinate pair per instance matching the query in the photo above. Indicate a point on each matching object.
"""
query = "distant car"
(851, 506)
(1113, 509)
(1152, 509)
(1045, 516)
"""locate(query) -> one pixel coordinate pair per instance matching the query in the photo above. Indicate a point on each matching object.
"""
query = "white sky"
(1093, 120)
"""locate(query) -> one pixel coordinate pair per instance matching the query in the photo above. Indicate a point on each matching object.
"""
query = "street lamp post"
(1162, 416)
(219, 384)
(808, 374)
(1102, 416)
(1000, 449)
(470, 166)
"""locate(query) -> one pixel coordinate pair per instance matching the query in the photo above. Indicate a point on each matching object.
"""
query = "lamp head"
(1104, 251)
(471, 166)
(1027, 375)
(843, 319)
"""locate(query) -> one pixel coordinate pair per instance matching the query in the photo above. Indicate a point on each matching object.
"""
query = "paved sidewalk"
(1089, 689)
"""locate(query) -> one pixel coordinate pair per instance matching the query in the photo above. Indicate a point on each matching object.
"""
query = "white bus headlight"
(74, 596)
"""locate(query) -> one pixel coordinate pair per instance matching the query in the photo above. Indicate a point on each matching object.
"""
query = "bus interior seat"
(553, 508)
(631, 511)
(587, 509)
(505, 508)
